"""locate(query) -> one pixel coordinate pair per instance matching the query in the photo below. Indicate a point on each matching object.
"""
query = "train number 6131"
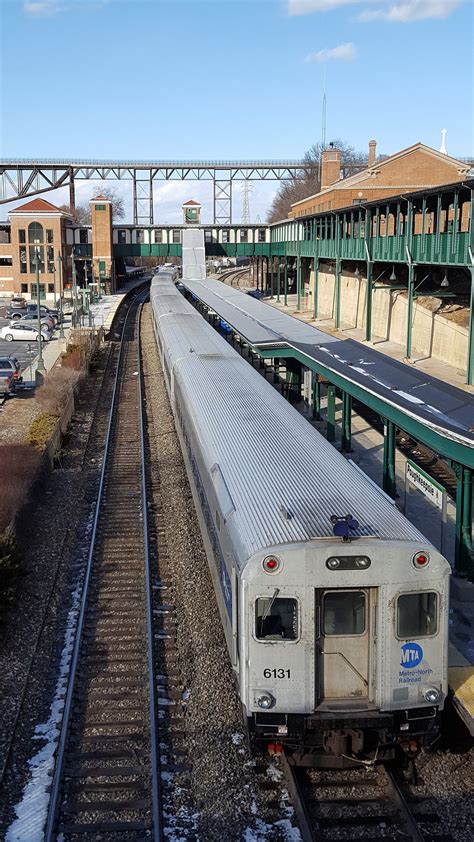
(276, 673)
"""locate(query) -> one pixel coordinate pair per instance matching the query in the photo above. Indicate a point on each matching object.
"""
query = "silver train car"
(334, 606)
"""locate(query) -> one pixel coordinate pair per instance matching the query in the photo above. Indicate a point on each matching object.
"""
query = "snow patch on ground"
(32, 810)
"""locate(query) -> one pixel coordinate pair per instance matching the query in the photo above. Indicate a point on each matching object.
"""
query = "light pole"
(74, 291)
(61, 326)
(40, 364)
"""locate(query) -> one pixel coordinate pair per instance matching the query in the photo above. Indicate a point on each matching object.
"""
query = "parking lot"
(25, 352)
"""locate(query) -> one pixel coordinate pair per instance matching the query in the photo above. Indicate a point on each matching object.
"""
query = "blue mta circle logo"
(412, 655)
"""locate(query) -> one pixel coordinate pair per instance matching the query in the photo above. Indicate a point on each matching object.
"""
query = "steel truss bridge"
(21, 178)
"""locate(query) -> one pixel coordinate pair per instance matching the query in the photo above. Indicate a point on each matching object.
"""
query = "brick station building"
(412, 169)
(40, 229)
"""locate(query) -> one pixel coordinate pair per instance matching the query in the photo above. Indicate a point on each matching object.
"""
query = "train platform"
(434, 401)
(415, 396)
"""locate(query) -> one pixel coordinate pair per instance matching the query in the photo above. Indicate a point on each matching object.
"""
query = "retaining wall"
(432, 336)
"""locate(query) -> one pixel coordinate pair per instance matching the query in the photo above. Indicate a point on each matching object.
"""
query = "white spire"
(442, 148)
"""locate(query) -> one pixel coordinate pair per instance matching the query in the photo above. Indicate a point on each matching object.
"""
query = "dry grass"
(54, 394)
(18, 466)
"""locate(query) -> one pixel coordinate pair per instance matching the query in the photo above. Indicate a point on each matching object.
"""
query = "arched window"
(35, 233)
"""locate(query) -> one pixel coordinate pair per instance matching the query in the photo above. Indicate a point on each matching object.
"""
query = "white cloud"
(396, 11)
(410, 10)
(44, 9)
(307, 7)
(343, 52)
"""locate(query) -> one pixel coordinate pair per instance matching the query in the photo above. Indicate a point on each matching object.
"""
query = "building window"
(49, 235)
(158, 235)
(6, 261)
(262, 235)
(99, 207)
(23, 288)
(23, 264)
(42, 291)
(34, 250)
(83, 238)
(176, 236)
(35, 233)
(208, 236)
(244, 236)
(226, 236)
(22, 235)
(121, 237)
(51, 288)
(140, 236)
(50, 259)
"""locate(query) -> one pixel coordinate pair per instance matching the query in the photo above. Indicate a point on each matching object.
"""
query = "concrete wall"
(433, 335)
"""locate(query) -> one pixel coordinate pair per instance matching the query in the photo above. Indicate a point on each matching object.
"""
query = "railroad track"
(352, 804)
(233, 275)
(106, 778)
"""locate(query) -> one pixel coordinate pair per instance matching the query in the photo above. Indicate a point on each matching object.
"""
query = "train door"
(343, 644)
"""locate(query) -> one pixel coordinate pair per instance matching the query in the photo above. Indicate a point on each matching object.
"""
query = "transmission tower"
(246, 203)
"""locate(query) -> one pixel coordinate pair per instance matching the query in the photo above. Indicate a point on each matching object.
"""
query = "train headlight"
(265, 701)
(431, 695)
(421, 560)
(333, 563)
(362, 562)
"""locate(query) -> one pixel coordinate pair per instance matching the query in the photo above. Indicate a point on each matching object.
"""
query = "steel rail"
(289, 770)
(397, 797)
(49, 834)
(155, 762)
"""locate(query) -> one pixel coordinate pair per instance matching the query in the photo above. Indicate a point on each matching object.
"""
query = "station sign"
(426, 484)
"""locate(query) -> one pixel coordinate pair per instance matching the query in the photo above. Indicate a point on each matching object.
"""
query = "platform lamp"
(445, 281)
(60, 278)
(40, 364)
(393, 276)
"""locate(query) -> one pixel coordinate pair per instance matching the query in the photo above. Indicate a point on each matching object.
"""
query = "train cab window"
(276, 619)
(417, 615)
(344, 613)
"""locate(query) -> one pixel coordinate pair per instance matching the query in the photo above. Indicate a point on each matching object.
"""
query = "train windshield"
(417, 615)
(276, 619)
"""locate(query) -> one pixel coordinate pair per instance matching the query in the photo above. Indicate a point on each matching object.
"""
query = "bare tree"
(81, 214)
(307, 182)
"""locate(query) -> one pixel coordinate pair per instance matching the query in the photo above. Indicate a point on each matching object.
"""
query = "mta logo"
(412, 655)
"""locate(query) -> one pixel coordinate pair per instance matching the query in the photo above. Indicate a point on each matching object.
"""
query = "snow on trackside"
(263, 831)
(32, 810)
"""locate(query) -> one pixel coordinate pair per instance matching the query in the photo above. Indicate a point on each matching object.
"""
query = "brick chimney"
(372, 152)
(330, 166)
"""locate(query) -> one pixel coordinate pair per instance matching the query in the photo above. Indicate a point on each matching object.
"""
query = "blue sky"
(231, 79)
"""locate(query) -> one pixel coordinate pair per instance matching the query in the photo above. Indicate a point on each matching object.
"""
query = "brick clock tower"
(101, 218)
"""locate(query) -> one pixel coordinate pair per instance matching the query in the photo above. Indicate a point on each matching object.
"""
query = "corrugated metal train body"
(265, 484)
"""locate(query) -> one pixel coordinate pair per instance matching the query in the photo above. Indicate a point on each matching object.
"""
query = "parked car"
(32, 312)
(12, 363)
(7, 381)
(18, 302)
(23, 331)
(32, 318)
(44, 310)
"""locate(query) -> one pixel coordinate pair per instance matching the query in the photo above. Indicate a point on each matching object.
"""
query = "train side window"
(417, 614)
(276, 619)
(344, 613)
